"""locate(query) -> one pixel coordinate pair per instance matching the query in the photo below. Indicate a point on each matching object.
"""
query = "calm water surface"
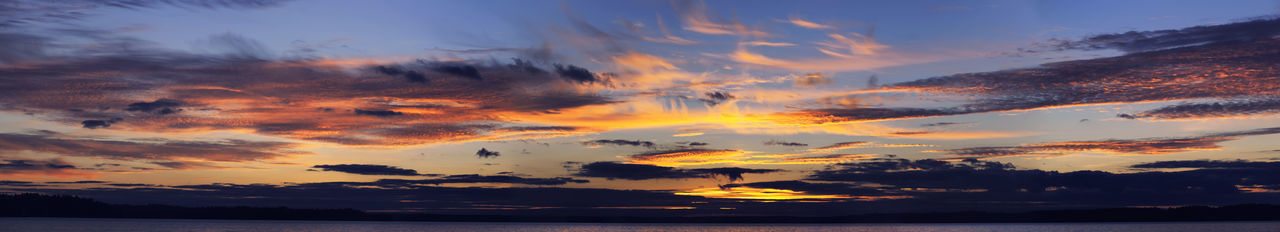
(90, 224)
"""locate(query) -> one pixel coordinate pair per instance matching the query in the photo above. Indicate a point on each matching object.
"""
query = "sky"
(670, 108)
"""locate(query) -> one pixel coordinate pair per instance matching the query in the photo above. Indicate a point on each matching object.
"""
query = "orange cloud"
(808, 24)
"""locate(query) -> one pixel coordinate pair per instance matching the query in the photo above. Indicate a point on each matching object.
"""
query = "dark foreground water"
(90, 224)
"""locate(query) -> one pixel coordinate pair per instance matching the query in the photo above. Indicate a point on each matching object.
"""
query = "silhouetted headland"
(40, 205)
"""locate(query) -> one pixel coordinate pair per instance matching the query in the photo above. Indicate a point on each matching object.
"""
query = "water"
(94, 224)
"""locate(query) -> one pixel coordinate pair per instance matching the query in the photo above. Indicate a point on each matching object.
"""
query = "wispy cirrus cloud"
(1213, 70)
(696, 18)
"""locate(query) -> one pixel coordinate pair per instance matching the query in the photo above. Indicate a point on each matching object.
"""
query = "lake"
(95, 224)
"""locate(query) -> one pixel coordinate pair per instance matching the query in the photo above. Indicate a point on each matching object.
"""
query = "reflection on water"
(79, 224)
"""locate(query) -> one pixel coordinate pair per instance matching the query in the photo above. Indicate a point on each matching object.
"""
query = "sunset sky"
(643, 107)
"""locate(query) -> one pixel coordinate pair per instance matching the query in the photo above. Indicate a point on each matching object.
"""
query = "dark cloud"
(550, 102)
(1210, 110)
(507, 179)
(615, 170)
(147, 149)
(1139, 41)
(34, 166)
(843, 145)
(717, 97)
(697, 144)
(968, 180)
(19, 183)
(379, 113)
(483, 153)
(576, 73)
(785, 143)
(368, 169)
(76, 182)
(412, 76)
(95, 124)
(160, 106)
(1148, 146)
(619, 142)
(733, 174)
(1209, 164)
(457, 69)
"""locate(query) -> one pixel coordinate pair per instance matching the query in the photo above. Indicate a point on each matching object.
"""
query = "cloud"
(697, 19)
(768, 44)
(483, 153)
(1210, 110)
(576, 73)
(619, 142)
(808, 24)
(457, 69)
(475, 178)
(379, 113)
(938, 124)
(615, 170)
(95, 124)
(841, 146)
(1140, 41)
(156, 149)
(52, 167)
(411, 76)
(1208, 164)
(19, 183)
(25, 12)
(836, 158)
(852, 45)
(1222, 70)
(77, 182)
(368, 169)
(811, 80)
(161, 106)
(682, 157)
(974, 181)
(1148, 146)
(717, 97)
(785, 143)
(289, 97)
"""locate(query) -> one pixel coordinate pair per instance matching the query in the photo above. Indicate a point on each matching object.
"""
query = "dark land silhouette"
(41, 205)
